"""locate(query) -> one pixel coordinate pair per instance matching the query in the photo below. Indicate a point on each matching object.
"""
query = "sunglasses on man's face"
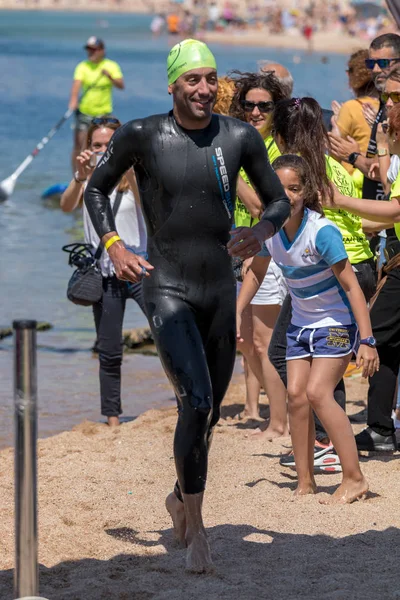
(105, 121)
(263, 107)
(394, 96)
(383, 63)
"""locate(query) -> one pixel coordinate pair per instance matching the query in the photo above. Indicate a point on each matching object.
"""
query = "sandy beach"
(329, 41)
(323, 41)
(105, 534)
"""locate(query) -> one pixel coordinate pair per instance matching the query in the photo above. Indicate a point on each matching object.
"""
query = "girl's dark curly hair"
(300, 124)
(244, 82)
(299, 165)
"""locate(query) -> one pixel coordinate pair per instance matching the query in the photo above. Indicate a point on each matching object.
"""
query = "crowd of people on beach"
(284, 18)
(265, 214)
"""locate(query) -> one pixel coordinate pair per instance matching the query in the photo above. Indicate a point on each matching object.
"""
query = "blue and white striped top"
(317, 297)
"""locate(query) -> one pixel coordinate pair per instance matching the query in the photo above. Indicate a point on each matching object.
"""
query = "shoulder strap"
(270, 145)
(115, 208)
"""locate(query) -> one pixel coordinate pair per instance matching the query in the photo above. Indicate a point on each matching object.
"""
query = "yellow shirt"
(395, 193)
(354, 239)
(242, 216)
(98, 100)
(351, 121)
(358, 180)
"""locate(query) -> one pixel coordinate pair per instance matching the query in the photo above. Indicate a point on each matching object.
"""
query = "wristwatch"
(76, 177)
(353, 157)
(369, 341)
(382, 152)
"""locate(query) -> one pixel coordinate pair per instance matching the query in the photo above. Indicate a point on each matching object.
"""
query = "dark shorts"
(321, 342)
(83, 122)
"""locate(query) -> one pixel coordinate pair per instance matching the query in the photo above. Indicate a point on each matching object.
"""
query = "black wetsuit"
(187, 183)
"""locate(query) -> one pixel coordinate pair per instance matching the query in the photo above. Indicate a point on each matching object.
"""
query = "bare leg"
(325, 373)
(247, 349)
(176, 509)
(113, 421)
(264, 319)
(252, 393)
(301, 429)
(198, 557)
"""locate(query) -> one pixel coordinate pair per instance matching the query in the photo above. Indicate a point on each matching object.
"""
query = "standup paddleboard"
(55, 190)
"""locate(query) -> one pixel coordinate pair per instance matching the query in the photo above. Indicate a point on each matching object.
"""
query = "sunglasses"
(105, 121)
(263, 107)
(394, 96)
(383, 63)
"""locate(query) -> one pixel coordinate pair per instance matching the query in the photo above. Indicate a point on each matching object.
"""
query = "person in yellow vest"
(379, 435)
(95, 78)
(253, 102)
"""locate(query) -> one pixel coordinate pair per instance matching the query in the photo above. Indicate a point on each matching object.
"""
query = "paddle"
(7, 185)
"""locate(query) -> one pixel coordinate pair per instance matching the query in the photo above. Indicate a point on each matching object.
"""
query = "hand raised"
(85, 169)
(369, 113)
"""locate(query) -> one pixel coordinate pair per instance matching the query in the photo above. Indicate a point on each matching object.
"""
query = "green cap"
(188, 55)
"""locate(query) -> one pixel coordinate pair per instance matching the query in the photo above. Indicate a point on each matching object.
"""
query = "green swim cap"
(188, 55)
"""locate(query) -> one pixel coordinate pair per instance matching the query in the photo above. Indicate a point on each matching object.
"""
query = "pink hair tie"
(297, 102)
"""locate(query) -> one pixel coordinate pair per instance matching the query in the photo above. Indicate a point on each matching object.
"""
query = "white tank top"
(130, 226)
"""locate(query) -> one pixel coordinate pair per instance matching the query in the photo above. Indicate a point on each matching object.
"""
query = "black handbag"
(85, 286)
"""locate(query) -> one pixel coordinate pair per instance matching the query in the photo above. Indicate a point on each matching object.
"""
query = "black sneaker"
(369, 440)
(319, 450)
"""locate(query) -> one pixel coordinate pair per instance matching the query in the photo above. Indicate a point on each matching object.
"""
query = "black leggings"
(366, 276)
(197, 350)
(108, 318)
(385, 319)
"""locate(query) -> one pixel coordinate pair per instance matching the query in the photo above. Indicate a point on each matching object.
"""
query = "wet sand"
(105, 534)
(68, 389)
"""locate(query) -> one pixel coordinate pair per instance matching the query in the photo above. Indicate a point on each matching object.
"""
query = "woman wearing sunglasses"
(253, 102)
(351, 121)
(388, 164)
(109, 312)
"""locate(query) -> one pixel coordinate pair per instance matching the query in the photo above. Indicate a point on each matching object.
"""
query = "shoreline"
(104, 531)
(332, 41)
(329, 42)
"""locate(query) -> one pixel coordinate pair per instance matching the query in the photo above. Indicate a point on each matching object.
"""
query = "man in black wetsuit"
(186, 164)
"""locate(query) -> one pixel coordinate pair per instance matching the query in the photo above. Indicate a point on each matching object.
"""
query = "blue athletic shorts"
(321, 342)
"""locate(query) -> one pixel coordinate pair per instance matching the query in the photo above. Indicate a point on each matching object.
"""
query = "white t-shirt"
(394, 168)
(318, 300)
(130, 226)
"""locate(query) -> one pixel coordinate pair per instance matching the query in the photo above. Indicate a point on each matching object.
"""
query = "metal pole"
(26, 582)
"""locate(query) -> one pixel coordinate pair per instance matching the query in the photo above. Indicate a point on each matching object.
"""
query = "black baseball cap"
(94, 42)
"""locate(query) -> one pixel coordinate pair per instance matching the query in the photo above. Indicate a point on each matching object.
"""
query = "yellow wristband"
(111, 241)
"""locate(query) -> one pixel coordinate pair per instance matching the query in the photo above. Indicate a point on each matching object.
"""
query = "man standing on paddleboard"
(96, 77)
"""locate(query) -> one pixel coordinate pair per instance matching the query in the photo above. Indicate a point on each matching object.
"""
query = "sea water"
(38, 53)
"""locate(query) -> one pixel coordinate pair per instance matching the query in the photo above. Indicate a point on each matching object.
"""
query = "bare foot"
(270, 433)
(113, 421)
(198, 556)
(305, 489)
(177, 511)
(348, 492)
(245, 416)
